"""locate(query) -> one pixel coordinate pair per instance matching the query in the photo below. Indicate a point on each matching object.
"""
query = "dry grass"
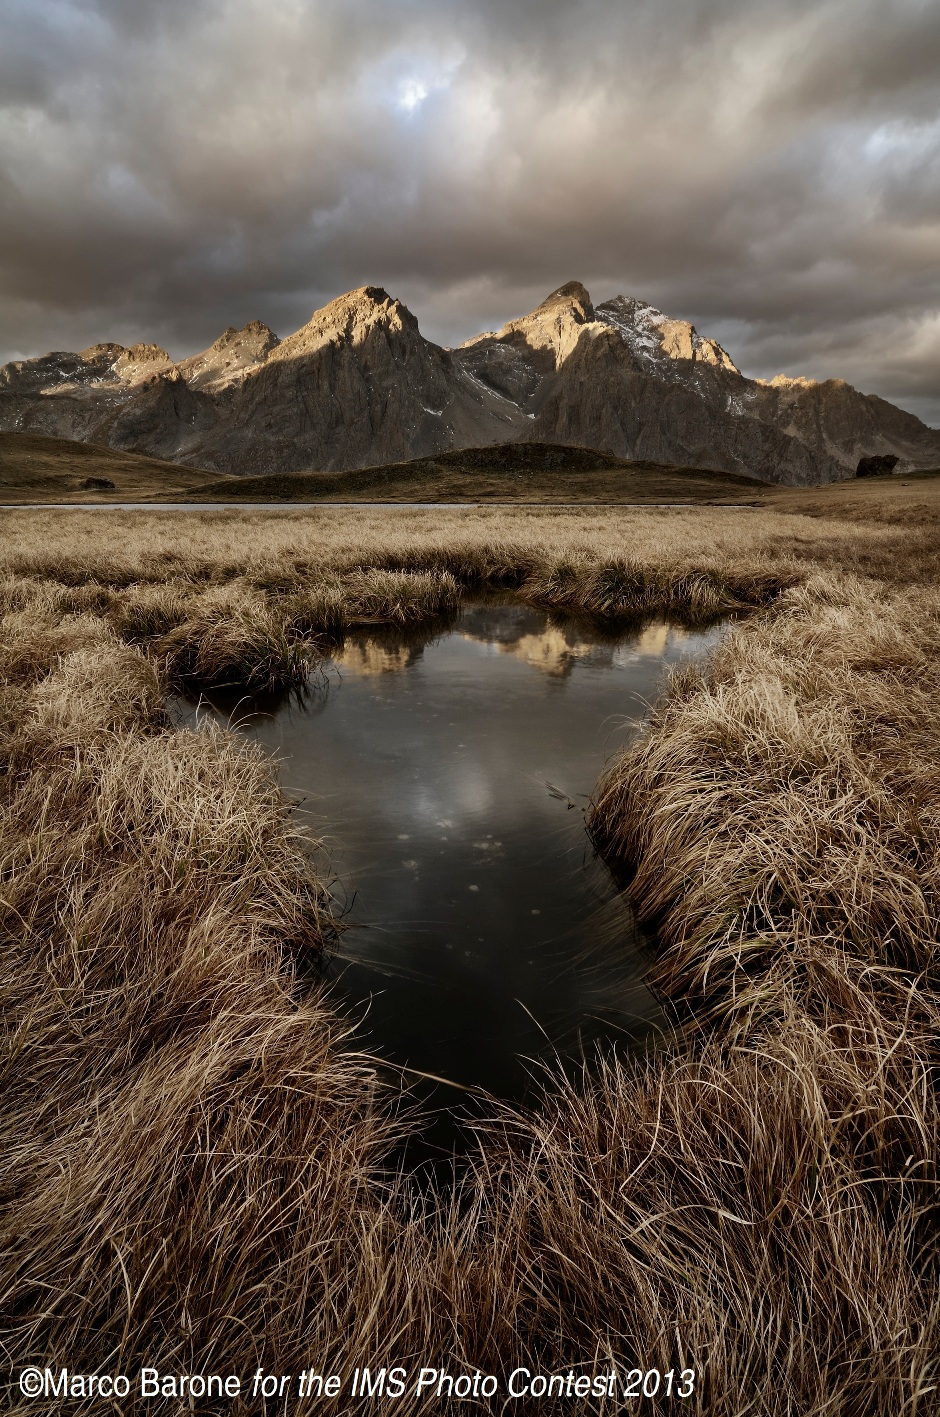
(817, 727)
(130, 547)
(191, 1142)
(780, 822)
(197, 1163)
(250, 598)
(909, 500)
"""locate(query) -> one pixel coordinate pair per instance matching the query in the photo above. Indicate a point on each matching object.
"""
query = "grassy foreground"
(196, 1159)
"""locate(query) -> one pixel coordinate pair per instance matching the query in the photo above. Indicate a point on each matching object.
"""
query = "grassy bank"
(219, 599)
(197, 1160)
(253, 598)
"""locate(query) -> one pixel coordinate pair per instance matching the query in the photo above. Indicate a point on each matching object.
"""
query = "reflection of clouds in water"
(462, 791)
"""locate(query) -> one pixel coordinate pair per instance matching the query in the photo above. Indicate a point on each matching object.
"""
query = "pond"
(449, 772)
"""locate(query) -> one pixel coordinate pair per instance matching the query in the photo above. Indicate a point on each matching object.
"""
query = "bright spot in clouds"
(411, 95)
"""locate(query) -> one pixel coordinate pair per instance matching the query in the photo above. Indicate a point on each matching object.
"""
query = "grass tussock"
(191, 1140)
(198, 1162)
(232, 639)
(817, 728)
(762, 1205)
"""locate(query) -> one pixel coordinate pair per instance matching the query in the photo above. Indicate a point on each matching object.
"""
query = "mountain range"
(359, 385)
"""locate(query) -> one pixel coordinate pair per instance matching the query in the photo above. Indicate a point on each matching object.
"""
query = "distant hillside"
(34, 468)
(359, 386)
(506, 472)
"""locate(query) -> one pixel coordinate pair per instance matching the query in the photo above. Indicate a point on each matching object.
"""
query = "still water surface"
(449, 774)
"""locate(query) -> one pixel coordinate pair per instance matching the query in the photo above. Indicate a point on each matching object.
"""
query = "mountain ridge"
(359, 385)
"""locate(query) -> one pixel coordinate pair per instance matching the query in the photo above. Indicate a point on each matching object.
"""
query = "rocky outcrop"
(843, 424)
(652, 335)
(876, 467)
(234, 352)
(625, 378)
(359, 385)
(605, 397)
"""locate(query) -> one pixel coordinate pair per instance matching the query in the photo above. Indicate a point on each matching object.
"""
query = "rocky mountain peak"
(139, 361)
(350, 318)
(650, 334)
(233, 355)
(102, 351)
(359, 385)
(573, 296)
(257, 329)
(786, 381)
(255, 338)
(146, 354)
(366, 304)
(550, 332)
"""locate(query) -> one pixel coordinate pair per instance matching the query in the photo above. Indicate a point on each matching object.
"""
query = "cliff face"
(359, 385)
(356, 386)
(839, 421)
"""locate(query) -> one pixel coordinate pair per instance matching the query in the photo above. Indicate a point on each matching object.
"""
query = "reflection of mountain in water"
(366, 657)
(556, 648)
(555, 651)
(500, 623)
(519, 630)
(653, 639)
(527, 635)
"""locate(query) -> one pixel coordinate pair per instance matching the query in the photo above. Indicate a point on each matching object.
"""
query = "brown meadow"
(199, 1165)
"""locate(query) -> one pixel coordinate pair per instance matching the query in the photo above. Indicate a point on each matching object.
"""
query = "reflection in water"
(368, 656)
(554, 647)
(450, 774)
(553, 650)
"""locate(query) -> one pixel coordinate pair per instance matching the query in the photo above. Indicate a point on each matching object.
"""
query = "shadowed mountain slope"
(360, 386)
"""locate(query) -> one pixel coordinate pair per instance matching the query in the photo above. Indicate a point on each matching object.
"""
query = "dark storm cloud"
(770, 170)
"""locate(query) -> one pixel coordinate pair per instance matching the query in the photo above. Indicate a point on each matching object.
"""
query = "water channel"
(449, 772)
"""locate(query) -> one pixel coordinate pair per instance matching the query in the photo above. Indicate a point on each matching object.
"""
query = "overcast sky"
(769, 169)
